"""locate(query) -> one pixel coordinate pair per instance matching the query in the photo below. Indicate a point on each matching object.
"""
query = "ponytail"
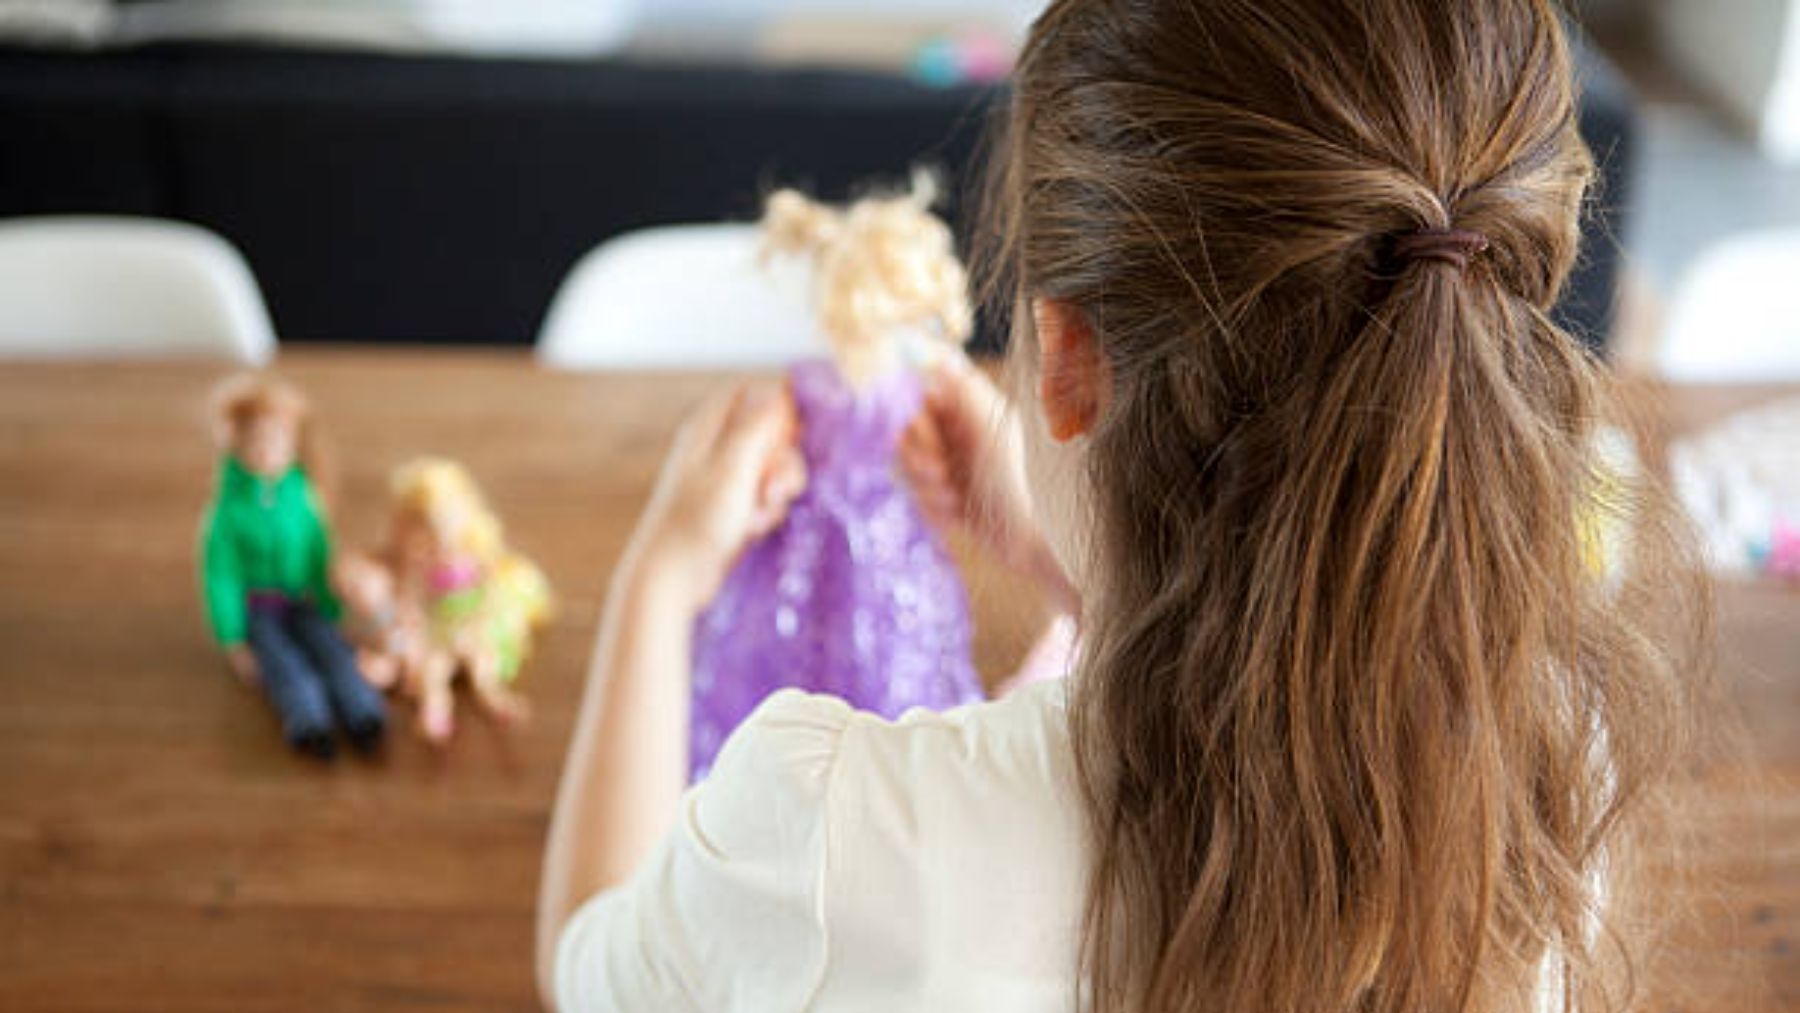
(1358, 726)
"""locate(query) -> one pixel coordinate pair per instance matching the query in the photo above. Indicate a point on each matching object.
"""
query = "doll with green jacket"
(265, 554)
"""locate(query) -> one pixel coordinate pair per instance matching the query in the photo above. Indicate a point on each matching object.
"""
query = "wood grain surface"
(160, 849)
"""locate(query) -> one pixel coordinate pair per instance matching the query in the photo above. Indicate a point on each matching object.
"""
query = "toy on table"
(389, 638)
(479, 602)
(853, 594)
(265, 556)
(1740, 483)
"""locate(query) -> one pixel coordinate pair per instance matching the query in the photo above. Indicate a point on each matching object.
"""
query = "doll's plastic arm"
(324, 596)
(380, 668)
(222, 586)
(327, 601)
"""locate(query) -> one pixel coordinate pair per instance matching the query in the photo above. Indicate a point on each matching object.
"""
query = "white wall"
(1780, 133)
(1746, 55)
(526, 27)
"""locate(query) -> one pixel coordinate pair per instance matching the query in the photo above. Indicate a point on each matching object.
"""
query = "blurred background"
(479, 172)
(576, 176)
(430, 170)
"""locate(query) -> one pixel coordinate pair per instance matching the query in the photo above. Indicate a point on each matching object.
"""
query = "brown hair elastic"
(1455, 247)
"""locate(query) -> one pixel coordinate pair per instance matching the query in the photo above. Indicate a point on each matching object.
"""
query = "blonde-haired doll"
(480, 602)
(853, 594)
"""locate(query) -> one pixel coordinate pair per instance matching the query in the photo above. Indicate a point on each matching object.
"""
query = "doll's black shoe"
(316, 744)
(366, 735)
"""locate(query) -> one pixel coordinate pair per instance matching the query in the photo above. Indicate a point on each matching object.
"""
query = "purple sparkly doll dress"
(854, 594)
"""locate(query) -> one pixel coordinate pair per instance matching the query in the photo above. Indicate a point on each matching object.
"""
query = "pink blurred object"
(1784, 551)
(985, 57)
(974, 57)
(1050, 658)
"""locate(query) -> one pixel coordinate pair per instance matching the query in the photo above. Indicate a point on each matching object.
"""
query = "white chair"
(126, 287)
(1735, 316)
(680, 297)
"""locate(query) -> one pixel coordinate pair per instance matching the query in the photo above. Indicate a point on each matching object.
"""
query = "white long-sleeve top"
(836, 861)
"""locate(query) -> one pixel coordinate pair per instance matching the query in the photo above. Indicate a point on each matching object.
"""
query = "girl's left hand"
(729, 479)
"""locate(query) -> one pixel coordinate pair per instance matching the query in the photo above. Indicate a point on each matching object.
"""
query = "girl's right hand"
(963, 458)
(729, 479)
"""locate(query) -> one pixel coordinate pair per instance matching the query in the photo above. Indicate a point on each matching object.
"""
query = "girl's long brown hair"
(1366, 719)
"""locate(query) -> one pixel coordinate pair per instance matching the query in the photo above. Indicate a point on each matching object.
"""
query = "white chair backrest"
(680, 297)
(1735, 316)
(126, 287)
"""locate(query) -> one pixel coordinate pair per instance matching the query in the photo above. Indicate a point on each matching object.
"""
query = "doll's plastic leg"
(359, 705)
(490, 689)
(293, 689)
(409, 672)
(437, 717)
(381, 669)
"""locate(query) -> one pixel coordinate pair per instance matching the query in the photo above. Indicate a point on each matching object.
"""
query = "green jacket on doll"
(262, 535)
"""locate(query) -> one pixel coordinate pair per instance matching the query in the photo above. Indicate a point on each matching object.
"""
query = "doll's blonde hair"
(523, 589)
(883, 264)
(436, 489)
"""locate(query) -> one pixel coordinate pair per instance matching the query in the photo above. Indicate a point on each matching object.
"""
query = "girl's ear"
(1073, 379)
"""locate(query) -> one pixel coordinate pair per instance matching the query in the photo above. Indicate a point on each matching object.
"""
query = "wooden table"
(161, 850)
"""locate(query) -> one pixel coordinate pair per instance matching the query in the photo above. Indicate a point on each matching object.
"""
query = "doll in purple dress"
(854, 594)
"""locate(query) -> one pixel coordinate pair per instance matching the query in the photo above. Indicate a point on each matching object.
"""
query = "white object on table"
(1735, 316)
(89, 287)
(1740, 482)
(572, 29)
(681, 297)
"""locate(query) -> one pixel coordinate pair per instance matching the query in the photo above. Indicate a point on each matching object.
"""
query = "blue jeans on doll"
(308, 671)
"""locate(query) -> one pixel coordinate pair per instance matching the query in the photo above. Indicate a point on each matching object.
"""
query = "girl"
(1354, 726)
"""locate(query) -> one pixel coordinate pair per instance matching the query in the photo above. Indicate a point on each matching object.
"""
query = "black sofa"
(398, 199)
